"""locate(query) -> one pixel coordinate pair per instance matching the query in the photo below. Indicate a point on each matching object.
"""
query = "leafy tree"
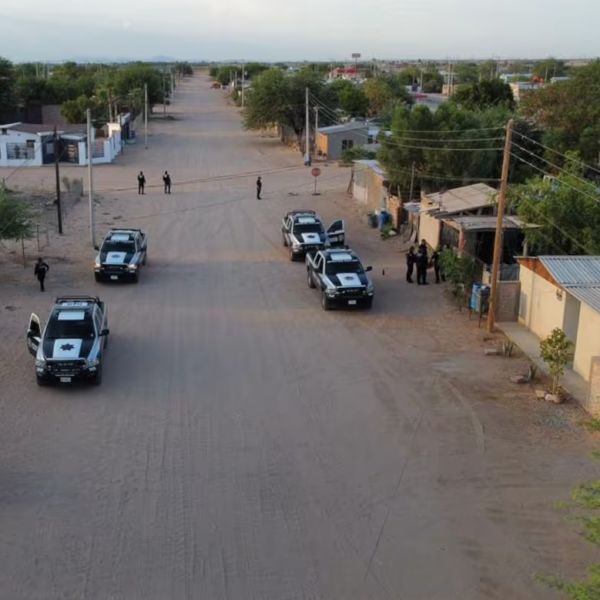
(278, 99)
(484, 95)
(566, 211)
(28, 89)
(438, 157)
(385, 93)
(488, 70)
(556, 351)
(7, 85)
(357, 153)
(569, 112)
(15, 216)
(74, 111)
(350, 98)
(460, 272)
(466, 73)
(550, 67)
(184, 69)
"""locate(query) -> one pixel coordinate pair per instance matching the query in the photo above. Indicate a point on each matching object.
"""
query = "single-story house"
(564, 292)
(471, 200)
(32, 145)
(335, 139)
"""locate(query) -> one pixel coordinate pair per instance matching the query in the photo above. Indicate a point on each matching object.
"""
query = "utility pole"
(307, 149)
(57, 171)
(90, 155)
(498, 241)
(412, 182)
(146, 116)
(316, 131)
(164, 96)
(243, 82)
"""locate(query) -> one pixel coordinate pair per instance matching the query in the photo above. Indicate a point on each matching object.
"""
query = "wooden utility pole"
(498, 241)
(57, 171)
(146, 116)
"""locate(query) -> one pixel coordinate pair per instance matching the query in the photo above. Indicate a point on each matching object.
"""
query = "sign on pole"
(315, 173)
(355, 55)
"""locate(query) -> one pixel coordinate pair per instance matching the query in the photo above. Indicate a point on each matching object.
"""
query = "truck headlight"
(332, 292)
(40, 363)
(97, 265)
(132, 267)
(370, 289)
(93, 362)
(296, 247)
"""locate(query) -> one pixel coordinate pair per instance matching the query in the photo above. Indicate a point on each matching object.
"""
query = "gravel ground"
(245, 444)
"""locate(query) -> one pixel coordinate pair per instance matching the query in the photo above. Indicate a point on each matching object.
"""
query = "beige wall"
(588, 341)
(429, 230)
(539, 309)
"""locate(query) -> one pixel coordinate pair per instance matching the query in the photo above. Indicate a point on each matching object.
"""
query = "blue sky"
(309, 29)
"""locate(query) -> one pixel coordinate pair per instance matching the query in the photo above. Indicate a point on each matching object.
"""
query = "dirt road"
(245, 444)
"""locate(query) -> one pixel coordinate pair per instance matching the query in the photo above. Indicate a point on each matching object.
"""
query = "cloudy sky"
(274, 30)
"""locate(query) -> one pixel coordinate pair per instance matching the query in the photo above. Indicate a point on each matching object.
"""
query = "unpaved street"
(246, 445)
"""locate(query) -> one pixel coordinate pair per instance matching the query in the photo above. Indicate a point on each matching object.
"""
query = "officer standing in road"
(141, 182)
(258, 188)
(40, 270)
(437, 267)
(167, 182)
(410, 264)
(422, 263)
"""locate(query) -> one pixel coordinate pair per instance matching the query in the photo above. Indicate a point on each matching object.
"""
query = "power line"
(595, 198)
(559, 153)
(588, 183)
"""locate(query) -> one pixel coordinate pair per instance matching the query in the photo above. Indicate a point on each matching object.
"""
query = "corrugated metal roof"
(371, 164)
(466, 198)
(579, 275)
(573, 270)
(587, 295)
(342, 128)
(486, 223)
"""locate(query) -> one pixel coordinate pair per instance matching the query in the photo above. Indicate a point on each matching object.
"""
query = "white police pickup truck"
(340, 277)
(302, 231)
(121, 255)
(71, 346)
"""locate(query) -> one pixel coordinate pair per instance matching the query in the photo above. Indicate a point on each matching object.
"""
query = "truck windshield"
(111, 246)
(334, 268)
(308, 228)
(81, 329)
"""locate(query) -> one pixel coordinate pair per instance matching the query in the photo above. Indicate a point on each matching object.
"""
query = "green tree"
(7, 87)
(466, 73)
(565, 210)
(29, 89)
(184, 69)
(569, 113)
(550, 67)
(484, 95)
(349, 97)
(74, 111)
(278, 99)
(15, 217)
(448, 156)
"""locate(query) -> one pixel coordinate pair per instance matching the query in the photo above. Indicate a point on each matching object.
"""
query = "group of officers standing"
(421, 260)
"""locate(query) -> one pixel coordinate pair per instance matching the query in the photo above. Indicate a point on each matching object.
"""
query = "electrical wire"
(586, 182)
(557, 152)
(595, 198)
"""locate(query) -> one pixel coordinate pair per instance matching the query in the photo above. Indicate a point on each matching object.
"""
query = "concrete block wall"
(509, 293)
(593, 400)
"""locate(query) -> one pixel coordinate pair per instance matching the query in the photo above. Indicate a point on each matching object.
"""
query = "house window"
(31, 144)
(347, 144)
(50, 147)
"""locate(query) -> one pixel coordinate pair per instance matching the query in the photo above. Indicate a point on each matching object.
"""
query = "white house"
(32, 145)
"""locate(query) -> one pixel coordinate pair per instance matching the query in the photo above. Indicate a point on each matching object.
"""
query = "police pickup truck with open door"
(340, 277)
(302, 231)
(71, 346)
(121, 255)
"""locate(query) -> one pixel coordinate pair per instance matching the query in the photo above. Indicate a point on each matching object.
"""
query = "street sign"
(356, 55)
(316, 172)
